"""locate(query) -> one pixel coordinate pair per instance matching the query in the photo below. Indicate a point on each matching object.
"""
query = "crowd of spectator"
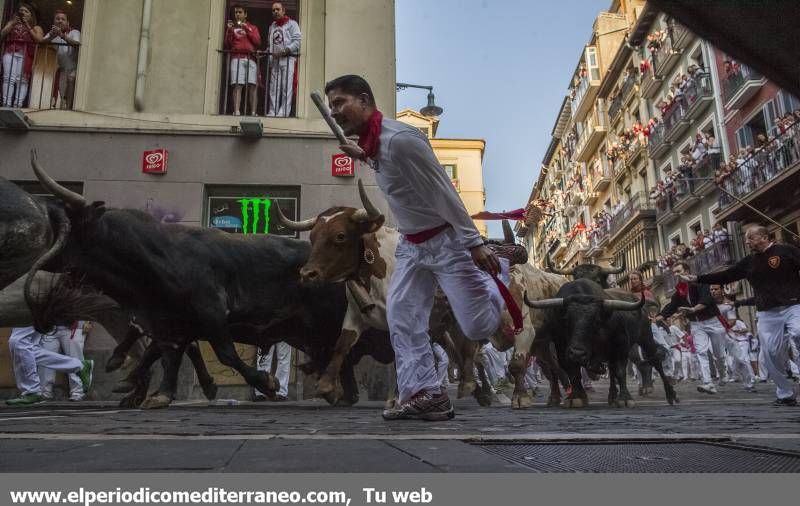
(677, 182)
(703, 239)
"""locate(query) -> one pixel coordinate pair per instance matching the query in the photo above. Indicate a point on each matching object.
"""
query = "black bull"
(588, 327)
(192, 282)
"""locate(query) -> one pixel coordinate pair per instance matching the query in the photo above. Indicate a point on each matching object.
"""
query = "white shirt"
(67, 55)
(284, 37)
(418, 190)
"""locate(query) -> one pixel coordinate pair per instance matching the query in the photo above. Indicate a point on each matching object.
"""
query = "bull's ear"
(373, 225)
(97, 209)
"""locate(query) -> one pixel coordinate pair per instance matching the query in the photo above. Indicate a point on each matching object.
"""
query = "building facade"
(155, 75)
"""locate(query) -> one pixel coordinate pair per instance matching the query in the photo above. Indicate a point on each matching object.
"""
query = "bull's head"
(336, 240)
(583, 317)
(596, 273)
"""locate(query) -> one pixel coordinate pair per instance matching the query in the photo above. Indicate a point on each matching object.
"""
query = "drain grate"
(644, 457)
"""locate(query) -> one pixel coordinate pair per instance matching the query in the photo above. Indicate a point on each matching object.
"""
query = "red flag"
(516, 214)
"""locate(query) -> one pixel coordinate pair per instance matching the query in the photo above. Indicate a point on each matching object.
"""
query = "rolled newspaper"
(316, 97)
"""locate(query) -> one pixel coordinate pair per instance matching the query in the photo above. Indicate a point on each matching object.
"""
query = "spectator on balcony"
(636, 283)
(284, 46)
(698, 243)
(242, 39)
(719, 233)
(68, 39)
(773, 271)
(20, 35)
(700, 148)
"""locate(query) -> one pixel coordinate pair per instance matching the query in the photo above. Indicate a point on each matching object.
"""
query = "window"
(591, 63)
(54, 62)
(425, 130)
(272, 88)
(249, 209)
(787, 102)
(451, 169)
(675, 238)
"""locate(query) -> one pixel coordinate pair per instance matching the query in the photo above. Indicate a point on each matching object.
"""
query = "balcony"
(699, 95)
(619, 169)
(634, 151)
(638, 207)
(766, 170)
(275, 97)
(714, 258)
(597, 240)
(579, 243)
(704, 171)
(668, 56)
(616, 105)
(50, 87)
(593, 133)
(685, 196)
(584, 99)
(681, 36)
(740, 87)
(650, 80)
(676, 120)
(601, 176)
(657, 144)
(665, 212)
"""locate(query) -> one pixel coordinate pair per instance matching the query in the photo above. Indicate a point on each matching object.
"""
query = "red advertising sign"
(155, 161)
(342, 166)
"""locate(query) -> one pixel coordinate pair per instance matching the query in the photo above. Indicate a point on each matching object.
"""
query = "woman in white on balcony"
(20, 34)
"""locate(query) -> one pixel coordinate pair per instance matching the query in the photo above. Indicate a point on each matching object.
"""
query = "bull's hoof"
(391, 403)
(114, 363)
(157, 401)
(645, 391)
(620, 403)
(124, 386)
(466, 388)
(344, 402)
(576, 403)
(672, 398)
(484, 399)
(521, 400)
(132, 401)
(553, 402)
(210, 391)
(328, 390)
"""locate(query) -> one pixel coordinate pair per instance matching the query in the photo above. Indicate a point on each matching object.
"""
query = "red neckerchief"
(370, 137)
(282, 20)
(683, 289)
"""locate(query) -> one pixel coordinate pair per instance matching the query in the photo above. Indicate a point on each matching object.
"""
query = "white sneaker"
(708, 388)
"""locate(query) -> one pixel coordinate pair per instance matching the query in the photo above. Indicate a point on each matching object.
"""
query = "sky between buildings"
(500, 69)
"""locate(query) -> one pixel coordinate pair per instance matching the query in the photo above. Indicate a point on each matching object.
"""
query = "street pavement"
(310, 436)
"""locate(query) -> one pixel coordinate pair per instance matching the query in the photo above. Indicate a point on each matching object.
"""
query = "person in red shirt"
(242, 39)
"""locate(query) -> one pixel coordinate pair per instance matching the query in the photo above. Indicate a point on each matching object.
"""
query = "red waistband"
(423, 236)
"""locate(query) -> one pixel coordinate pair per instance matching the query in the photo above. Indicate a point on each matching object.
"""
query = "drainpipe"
(144, 48)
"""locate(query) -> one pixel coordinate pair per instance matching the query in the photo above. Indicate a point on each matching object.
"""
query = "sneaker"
(26, 400)
(85, 374)
(789, 401)
(422, 406)
(280, 398)
(708, 388)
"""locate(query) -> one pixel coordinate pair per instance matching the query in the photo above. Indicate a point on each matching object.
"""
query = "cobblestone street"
(310, 436)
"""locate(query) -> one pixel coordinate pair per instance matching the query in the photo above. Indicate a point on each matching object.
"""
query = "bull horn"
(372, 211)
(622, 305)
(49, 184)
(554, 270)
(508, 233)
(612, 270)
(298, 226)
(542, 304)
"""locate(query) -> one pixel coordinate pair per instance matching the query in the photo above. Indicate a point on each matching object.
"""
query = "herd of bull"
(67, 259)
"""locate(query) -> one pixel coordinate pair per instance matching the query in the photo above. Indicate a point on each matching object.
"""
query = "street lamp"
(431, 109)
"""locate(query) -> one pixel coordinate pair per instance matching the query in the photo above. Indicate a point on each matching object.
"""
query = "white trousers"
(473, 296)
(65, 342)
(15, 86)
(739, 353)
(680, 363)
(27, 354)
(776, 327)
(264, 363)
(281, 85)
(703, 332)
(442, 363)
(496, 363)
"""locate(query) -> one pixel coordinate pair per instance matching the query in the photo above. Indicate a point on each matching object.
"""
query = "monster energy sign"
(247, 214)
(255, 208)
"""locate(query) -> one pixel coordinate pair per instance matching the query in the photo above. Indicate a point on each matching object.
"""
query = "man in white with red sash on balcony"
(439, 244)
(773, 271)
(242, 40)
(284, 46)
(68, 39)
